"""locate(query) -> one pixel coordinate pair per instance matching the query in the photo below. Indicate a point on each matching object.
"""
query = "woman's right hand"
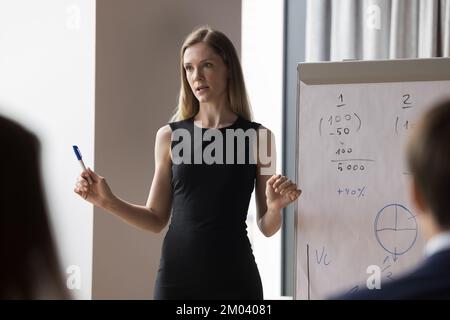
(98, 192)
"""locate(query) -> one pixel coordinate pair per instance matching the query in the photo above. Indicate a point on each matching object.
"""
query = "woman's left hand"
(280, 192)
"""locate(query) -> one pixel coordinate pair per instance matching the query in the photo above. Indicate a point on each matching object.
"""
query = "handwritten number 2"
(407, 97)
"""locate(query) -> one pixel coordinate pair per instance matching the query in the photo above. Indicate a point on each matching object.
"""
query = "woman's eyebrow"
(204, 60)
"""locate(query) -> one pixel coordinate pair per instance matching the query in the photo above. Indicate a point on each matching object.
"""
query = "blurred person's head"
(29, 266)
(223, 49)
(428, 158)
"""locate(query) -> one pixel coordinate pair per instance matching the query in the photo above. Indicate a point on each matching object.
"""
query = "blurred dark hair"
(429, 161)
(29, 266)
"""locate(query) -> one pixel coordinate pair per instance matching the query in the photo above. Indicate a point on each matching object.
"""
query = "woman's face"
(206, 73)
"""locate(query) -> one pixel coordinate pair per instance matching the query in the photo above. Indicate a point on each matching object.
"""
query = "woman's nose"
(198, 74)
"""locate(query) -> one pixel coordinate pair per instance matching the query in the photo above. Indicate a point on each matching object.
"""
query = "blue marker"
(80, 160)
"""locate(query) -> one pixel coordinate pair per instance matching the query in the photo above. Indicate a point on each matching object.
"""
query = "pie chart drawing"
(396, 229)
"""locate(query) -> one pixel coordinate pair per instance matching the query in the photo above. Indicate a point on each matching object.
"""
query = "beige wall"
(137, 82)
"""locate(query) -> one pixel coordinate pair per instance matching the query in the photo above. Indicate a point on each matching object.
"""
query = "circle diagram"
(396, 229)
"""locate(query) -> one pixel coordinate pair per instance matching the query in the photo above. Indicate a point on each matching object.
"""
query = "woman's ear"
(417, 197)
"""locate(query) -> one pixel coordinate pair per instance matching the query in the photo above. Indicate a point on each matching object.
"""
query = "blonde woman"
(204, 184)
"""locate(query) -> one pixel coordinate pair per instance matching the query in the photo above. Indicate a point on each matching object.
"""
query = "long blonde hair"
(188, 105)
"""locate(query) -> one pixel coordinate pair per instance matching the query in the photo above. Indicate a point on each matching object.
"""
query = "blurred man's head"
(429, 162)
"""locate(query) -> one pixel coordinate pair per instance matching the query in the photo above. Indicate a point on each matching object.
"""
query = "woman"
(29, 265)
(206, 253)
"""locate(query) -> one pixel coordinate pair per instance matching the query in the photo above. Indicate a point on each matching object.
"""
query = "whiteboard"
(353, 119)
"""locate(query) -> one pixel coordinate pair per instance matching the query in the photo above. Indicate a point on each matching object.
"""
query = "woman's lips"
(202, 89)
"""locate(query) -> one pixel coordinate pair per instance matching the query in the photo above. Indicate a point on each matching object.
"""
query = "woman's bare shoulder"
(163, 135)
(265, 129)
(262, 127)
(164, 130)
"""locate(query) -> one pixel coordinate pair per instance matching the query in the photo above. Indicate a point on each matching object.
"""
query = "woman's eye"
(208, 65)
(188, 68)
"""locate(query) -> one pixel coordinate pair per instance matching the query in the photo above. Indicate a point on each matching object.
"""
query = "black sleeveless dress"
(206, 253)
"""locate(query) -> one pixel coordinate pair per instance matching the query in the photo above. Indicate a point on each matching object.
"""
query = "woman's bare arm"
(154, 216)
(272, 192)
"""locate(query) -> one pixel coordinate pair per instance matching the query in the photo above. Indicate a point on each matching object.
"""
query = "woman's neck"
(214, 115)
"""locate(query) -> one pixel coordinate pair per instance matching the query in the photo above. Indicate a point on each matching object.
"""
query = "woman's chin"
(202, 99)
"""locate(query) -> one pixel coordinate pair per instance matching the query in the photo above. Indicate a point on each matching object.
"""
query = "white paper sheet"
(355, 209)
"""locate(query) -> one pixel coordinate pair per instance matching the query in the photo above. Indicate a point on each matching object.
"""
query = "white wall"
(47, 66)
(262, 61)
